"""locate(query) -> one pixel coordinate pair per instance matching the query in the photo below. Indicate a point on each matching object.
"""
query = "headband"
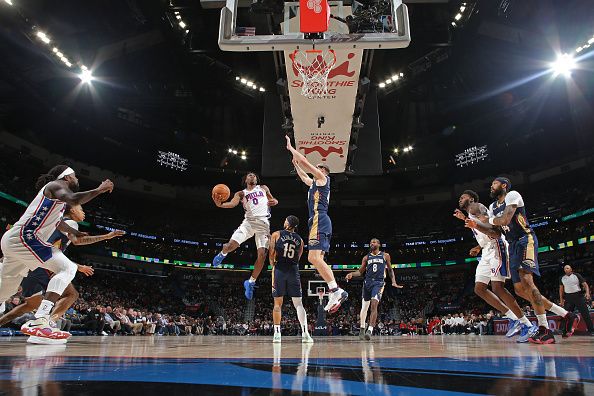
(68, 171)
(504, 180)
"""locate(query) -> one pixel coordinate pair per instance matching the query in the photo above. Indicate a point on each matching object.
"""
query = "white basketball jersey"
(255, 203)
(42, 216)
(483, 240)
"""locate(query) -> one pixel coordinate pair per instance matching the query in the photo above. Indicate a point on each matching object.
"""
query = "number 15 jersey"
(287, 248)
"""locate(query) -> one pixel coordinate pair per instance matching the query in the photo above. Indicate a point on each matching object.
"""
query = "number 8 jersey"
(376, 267)
(287, 249)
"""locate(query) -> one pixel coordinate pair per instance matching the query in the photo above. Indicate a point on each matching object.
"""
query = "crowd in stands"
(179, 302)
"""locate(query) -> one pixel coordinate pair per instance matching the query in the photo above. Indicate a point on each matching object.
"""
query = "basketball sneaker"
(46, 341)
(526, 332)
(218, 259)
(362, 334)
(277, 338)
(570, 323)
(368, 335)
(337, 297)
(542, 336)
(43, 328)
(306, 338)
(514, 327)
(249, 289)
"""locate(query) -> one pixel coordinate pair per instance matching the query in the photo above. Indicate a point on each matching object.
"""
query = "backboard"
(321, 123)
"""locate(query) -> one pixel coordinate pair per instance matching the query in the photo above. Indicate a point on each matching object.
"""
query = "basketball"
(222, 191)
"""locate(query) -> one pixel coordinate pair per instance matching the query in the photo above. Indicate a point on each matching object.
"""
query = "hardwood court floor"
(333, 365)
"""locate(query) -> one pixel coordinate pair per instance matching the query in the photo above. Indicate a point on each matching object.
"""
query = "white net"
(314, 66)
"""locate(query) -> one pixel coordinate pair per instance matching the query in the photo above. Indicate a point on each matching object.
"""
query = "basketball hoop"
(314, 67)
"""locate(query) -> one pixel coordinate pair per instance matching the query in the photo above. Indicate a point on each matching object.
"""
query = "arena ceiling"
(484, 83)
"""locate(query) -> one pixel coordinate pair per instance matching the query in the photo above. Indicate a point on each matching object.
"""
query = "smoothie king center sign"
(326, 143)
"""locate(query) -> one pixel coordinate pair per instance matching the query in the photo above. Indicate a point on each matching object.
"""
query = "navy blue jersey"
(287, 249)
(375, 269)
(318, 198)
(519, 226)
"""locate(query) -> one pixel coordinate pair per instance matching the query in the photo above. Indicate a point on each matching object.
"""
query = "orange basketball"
(221, 191)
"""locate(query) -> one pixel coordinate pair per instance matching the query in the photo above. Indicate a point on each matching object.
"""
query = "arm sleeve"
(514, 198)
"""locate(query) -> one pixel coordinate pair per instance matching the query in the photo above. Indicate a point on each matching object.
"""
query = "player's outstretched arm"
(228, 205)
(59, 190)
(304, 163)
(391, 271)
(272, 249)
(65, 228)
(302, 175)
(493, 232)
(271, 200)
(90, 239)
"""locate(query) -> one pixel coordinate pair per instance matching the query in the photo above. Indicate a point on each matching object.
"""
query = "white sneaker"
(2, 308)
(277, 338)
(103, 333)
(306, 338)
(41, 327)
(335, 300)
(46, 341)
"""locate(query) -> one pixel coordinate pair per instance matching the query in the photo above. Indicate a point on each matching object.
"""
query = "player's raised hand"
(106, 186)
(273, 202)
(469, 223)
(289, 145)
(217, 199)
(459, 214)
(348, 277)
(475, 251)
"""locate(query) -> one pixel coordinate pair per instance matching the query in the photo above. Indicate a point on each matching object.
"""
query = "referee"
(573, 293)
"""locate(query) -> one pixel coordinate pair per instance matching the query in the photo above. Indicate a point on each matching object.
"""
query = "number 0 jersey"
(255, 203)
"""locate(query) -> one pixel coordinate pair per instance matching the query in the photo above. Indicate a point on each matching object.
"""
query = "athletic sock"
(332, 285)
(252, 279)
(277, 329)
(44, 309)
(524, 320)
(223, 254)
(370, 329)
(558, 310)
(542, 321)
(511, 315)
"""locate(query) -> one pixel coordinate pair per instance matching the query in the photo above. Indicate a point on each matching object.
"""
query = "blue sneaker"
(527, 332)
(249, 289)
(514, 327)
(217, 260)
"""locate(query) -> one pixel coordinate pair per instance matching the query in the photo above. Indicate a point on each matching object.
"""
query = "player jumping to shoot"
(256, 200)
(320, 225)
(374, 265)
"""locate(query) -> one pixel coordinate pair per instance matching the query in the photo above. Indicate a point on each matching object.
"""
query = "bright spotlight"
(43, 37)
(382, 85)
(86, 76)
(262, 89)
(243, 157)
(243, 81)
(389, 81)
(395, 77)
(563, 65)
(9, 2)
(396, 150)
(458, 17)
(182, 24)
(235, 152)
(237, 78)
